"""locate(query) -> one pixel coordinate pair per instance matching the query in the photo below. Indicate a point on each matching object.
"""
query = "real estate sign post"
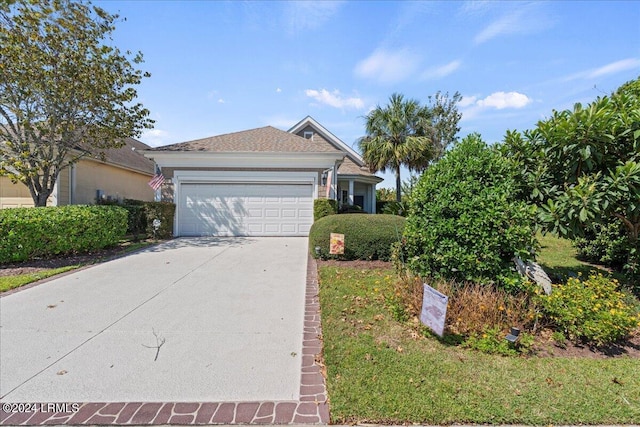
(434, 309)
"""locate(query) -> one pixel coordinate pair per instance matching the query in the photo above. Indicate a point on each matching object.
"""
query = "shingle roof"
(129, 156)
(265, 139)
(348, 167)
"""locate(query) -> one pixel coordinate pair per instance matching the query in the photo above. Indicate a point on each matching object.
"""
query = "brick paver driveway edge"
(312, 408)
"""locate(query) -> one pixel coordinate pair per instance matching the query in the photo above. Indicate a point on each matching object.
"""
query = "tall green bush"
(164, 212)
(366, 237)
(606, 244)
(465, 221)
(324, 207)
(27, 233)
(141, 215)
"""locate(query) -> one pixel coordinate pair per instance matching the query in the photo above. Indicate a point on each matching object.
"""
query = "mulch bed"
(544, 345)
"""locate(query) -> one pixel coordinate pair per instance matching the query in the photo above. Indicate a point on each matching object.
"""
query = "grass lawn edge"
(45, 276)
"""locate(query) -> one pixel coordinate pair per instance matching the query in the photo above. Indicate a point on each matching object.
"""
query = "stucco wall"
(90, 176)
(80, 186)
(14, 195)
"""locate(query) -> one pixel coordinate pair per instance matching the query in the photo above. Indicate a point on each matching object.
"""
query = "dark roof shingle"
(348, 167)
(129, 156)
(264, 139)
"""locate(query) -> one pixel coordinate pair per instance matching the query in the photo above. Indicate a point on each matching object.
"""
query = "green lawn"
(558, 258)
(382, 371)
(10, 282)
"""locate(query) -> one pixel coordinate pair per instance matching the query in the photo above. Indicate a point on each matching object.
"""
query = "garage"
(258, 182)
(244, 209)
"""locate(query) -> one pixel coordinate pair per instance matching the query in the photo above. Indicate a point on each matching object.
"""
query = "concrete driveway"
(226, 314)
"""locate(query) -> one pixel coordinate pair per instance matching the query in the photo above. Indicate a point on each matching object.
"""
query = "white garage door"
(228, 209)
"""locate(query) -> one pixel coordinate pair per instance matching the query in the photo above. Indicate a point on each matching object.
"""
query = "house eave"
(311, 160)
(116, 165)
(361, 178)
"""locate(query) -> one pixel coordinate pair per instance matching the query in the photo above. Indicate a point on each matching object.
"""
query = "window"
(358, 201)
(345, 197)
(308, 134)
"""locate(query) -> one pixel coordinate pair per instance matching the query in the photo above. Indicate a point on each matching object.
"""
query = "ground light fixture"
(513, 336)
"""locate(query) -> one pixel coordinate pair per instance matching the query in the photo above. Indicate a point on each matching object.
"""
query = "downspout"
(334, 180)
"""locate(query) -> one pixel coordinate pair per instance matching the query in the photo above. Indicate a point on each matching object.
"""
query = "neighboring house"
(124, 174)
(261, 182)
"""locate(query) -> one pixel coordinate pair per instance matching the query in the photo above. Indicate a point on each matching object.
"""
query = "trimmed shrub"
(29, 233)
(136, 220)
(324, 207)
(366, 237)
(606, 244)
(141, 215)
(592, 311)
(465, 221)
(164, 212)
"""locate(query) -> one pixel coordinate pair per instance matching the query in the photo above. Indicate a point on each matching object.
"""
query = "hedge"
(366, 237)
(141, 215)
(28, 233)
(164, 212)
(324, 207)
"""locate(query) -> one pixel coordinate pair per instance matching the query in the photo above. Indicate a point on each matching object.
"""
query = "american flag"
(157, 181)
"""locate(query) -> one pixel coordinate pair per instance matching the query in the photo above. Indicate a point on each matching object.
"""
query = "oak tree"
(65, 91)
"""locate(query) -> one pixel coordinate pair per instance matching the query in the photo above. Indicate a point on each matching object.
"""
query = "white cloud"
(442, 71)
(467, 101)
(307, 15)
(472, 106)
(278, 90)
(525, 20)
(616, 67)
(220, 101)
(155, 137)
(388, 67)
(502, 100)
(612, 68)
(334, 99)
(507, 24)
(476, 6)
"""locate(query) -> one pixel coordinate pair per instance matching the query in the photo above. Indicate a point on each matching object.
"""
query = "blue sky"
(220, 67)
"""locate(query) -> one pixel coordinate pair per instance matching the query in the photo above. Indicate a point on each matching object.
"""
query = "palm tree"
(398, 134)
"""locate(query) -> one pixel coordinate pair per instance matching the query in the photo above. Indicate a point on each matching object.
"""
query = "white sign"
(434, 309)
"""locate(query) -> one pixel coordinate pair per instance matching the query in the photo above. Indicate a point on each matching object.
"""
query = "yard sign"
(336, 244)
(434, 309)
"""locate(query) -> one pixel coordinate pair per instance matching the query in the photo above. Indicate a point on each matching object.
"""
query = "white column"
(351, 202)
(373, 199)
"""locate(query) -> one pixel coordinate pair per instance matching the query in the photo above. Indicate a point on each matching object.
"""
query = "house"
(122, 173)
(261, 182)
